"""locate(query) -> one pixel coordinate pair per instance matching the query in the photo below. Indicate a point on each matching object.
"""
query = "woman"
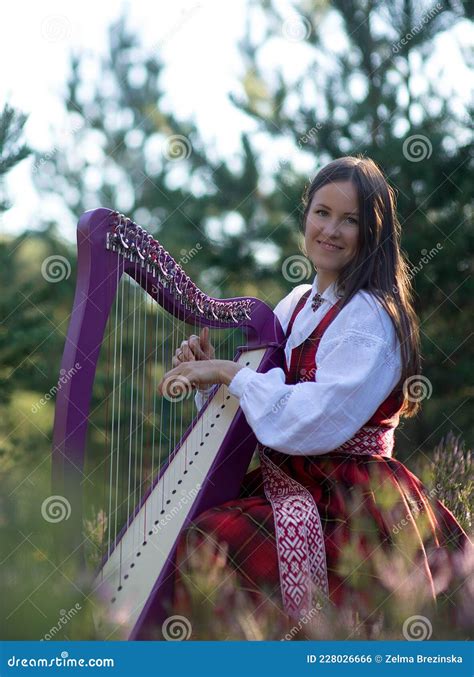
(327, 484)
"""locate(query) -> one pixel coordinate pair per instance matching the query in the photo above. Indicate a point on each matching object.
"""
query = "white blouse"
(358, 366)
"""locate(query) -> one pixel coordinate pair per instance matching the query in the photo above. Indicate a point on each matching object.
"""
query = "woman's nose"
(331, 230)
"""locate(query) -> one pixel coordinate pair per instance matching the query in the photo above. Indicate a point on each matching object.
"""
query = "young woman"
(329, 508)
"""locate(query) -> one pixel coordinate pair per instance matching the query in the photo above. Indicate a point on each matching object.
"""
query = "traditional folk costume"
(327, 480)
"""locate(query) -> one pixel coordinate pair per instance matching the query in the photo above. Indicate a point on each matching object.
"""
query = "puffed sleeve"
(283, 310)
(356, 373)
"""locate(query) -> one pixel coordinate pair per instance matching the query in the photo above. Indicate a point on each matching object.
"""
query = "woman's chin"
(322, 264)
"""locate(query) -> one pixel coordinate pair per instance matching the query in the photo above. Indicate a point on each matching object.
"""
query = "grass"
(46, 599)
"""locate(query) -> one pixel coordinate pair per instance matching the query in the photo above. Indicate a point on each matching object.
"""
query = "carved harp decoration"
(133, 305)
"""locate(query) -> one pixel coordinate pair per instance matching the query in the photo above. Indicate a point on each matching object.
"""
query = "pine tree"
(366, 103)
(356, 100)
(31, 311)
(12, 149)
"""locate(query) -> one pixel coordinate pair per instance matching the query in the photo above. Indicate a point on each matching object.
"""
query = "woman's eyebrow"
(320, 204)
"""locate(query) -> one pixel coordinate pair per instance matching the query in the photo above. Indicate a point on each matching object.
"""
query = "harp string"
(136, 409)
(109, 436)
(119, 409)
(122, 422)
(142, 428)
(110, 327)
(121, 373)
(144, 417)
(141, 393)
(162, 404)
(148, 414)
(131, 413)
(140, 400)
(112, 437)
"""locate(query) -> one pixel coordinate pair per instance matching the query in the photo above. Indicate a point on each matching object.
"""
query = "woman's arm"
(356, 375)
(283, 310)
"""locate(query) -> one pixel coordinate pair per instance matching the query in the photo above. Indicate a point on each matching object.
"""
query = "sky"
(194, 38)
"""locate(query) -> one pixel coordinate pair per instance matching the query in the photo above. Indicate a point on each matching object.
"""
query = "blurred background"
(203, 121)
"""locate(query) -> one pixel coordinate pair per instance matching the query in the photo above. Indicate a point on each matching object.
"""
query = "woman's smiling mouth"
(328, 247)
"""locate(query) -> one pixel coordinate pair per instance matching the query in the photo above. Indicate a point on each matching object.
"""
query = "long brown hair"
(379, 265)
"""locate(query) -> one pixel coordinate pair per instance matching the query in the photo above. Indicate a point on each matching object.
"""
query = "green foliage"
(42, 599)
(453, 472)
(47, 599)
(12, 150)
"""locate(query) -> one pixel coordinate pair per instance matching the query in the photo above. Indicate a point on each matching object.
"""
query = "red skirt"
(384, 533)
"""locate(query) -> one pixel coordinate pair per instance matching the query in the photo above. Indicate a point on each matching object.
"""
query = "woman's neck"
(323, 282)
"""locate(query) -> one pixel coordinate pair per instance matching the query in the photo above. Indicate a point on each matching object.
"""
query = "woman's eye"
(349, 218)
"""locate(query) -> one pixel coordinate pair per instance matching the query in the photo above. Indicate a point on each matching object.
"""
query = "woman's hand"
(178, 383)
(195, 348)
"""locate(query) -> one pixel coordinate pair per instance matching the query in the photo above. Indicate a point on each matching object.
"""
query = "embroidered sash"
(298, 529)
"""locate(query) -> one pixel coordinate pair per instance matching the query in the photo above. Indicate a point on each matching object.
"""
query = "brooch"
(316, 301)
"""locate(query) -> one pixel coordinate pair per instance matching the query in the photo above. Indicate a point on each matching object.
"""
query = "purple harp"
(155, 480)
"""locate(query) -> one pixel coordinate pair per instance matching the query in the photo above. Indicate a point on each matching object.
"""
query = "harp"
(149, 501)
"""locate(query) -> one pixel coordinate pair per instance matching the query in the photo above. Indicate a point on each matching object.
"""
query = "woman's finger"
(193, 343)
(205, 345)
(187, 353)
(183, 353)
(204, 339)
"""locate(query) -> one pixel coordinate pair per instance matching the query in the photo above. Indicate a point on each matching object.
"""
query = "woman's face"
(332, 217)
